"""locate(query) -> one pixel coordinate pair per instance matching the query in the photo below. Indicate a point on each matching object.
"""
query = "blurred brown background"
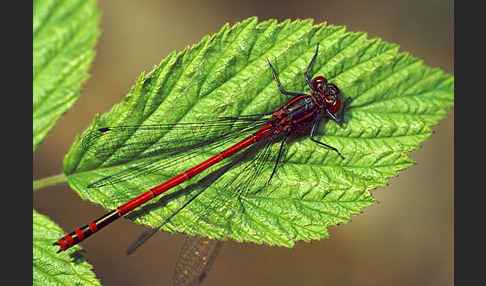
(407, 239)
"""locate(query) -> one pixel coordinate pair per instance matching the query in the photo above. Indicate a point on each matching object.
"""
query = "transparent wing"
(158, 147)
(130, 141)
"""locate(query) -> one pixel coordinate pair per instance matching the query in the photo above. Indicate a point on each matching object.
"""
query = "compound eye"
(333, 103)
(319, 83)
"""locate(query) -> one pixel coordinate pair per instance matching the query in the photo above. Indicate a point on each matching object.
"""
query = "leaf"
(64, 36)
(51, 268)
(396, 98)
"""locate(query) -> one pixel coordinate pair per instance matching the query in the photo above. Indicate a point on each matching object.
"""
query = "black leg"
(313, 132)
(338, 120)
(294, 94)
(309, 67)
(279, 156)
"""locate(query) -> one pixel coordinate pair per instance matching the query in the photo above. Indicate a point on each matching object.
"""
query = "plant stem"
(49, 181)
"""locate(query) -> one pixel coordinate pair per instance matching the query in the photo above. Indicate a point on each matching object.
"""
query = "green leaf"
(51, 268)
(65, 32)
(396, 98)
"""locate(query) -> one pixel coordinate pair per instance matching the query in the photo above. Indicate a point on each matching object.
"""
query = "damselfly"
(190, 139)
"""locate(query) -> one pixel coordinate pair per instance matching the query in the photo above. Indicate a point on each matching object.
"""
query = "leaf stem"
(49, 181)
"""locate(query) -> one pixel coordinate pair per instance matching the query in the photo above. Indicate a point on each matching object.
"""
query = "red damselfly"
(301, 111)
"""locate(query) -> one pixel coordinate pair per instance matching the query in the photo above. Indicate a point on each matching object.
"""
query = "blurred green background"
(407, 239)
